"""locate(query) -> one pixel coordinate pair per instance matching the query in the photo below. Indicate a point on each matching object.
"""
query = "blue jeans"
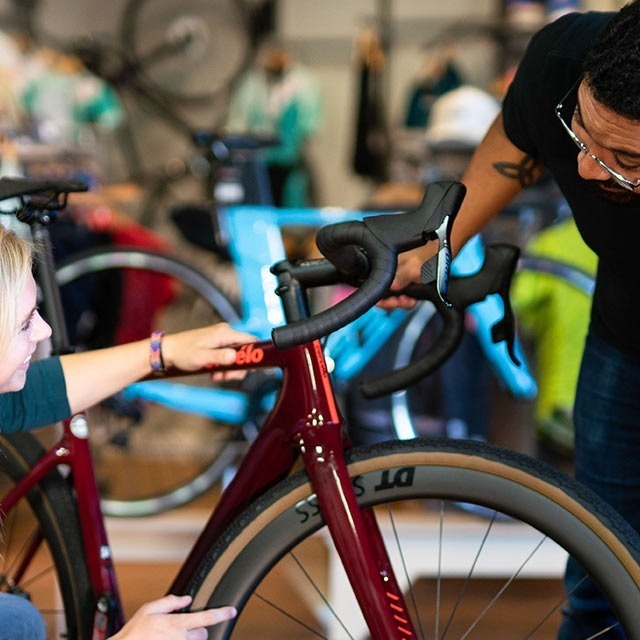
(607, 459)
(19, 619)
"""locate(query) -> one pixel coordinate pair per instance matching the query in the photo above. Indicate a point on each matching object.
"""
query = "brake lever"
(438, 267)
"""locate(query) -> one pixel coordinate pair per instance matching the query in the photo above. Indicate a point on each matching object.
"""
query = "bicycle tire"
(220, 31)
(51, 510)
(405, 474)
(181, 456)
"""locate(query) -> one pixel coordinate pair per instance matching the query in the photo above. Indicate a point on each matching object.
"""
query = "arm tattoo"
(525, 172)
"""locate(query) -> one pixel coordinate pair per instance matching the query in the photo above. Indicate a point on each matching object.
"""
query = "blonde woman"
(36, 393)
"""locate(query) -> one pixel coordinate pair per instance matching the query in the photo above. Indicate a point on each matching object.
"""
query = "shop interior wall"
(321, 34)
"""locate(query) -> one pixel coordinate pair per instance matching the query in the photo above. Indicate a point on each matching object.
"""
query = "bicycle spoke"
(502, 590)
(604, 631)
(285, 613)
(467, 581)
(429, 598)
(317, 589)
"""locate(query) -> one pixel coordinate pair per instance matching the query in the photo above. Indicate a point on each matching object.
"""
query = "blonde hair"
(15, 265)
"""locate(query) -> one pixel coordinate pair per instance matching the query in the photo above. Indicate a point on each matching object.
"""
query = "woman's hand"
(204, 347)
(156, 620)
(92, 376)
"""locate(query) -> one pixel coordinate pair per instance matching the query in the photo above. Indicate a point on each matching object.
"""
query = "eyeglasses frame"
(630, 185)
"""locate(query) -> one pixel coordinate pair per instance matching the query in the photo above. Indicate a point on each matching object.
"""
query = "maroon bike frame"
(305, 422)
(72, 450)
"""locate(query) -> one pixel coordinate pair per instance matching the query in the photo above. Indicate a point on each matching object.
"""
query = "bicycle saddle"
(19, 187)
(234, 141)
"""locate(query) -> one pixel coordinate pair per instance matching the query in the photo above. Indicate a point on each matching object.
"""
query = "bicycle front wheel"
(156, 446)
(52, 574)
(463, 574)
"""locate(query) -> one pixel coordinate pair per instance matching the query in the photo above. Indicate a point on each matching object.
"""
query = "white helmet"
(461, 116)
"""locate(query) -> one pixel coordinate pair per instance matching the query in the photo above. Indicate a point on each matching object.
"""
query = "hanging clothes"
(556, 315)
(426, 90)
(280, 97)
(372, 146)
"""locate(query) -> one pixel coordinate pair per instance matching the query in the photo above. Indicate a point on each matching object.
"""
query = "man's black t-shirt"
(551, 67)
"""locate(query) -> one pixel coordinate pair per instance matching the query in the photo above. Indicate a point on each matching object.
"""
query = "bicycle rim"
(56, 578)
(463, 575)
(404, 405)
(152, 452)
(216, 45)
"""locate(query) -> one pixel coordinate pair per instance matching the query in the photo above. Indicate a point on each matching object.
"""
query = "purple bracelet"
(155, 353)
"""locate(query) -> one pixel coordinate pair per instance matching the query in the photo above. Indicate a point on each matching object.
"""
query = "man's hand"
(408, 272)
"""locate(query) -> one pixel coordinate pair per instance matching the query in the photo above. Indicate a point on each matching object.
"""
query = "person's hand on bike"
(408, 272)
(156, 620)
(92, 376)
(204, 347)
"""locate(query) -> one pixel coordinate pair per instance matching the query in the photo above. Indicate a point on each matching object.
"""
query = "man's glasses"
(631, 185)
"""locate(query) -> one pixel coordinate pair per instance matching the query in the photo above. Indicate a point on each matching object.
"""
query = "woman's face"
(31, 329)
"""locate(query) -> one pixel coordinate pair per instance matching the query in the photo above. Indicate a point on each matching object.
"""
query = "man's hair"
(612, 66)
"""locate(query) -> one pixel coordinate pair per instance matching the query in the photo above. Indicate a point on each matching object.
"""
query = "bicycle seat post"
(45, 267)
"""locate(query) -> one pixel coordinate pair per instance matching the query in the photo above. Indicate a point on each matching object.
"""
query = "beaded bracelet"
(155, 353)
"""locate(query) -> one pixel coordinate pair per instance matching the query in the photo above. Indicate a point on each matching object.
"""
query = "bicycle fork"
(356, 535)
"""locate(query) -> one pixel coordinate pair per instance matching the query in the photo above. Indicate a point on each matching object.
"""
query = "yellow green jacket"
(556, 315)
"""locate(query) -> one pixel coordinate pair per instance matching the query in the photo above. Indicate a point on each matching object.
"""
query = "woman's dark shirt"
(42, 401)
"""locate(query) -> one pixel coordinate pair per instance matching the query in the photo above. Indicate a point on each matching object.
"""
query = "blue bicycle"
(136, 433)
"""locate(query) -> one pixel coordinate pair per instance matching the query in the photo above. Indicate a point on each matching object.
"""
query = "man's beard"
(610, 190)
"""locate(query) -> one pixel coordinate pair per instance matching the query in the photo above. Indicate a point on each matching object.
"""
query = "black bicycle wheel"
(463, 574)
(56, 579)
(149, 455)
(189, 50)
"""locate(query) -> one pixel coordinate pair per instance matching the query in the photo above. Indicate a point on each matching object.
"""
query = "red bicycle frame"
(305, 422)
(72, 450)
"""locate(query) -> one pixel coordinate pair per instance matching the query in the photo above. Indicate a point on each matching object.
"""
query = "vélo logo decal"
(248, 354)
